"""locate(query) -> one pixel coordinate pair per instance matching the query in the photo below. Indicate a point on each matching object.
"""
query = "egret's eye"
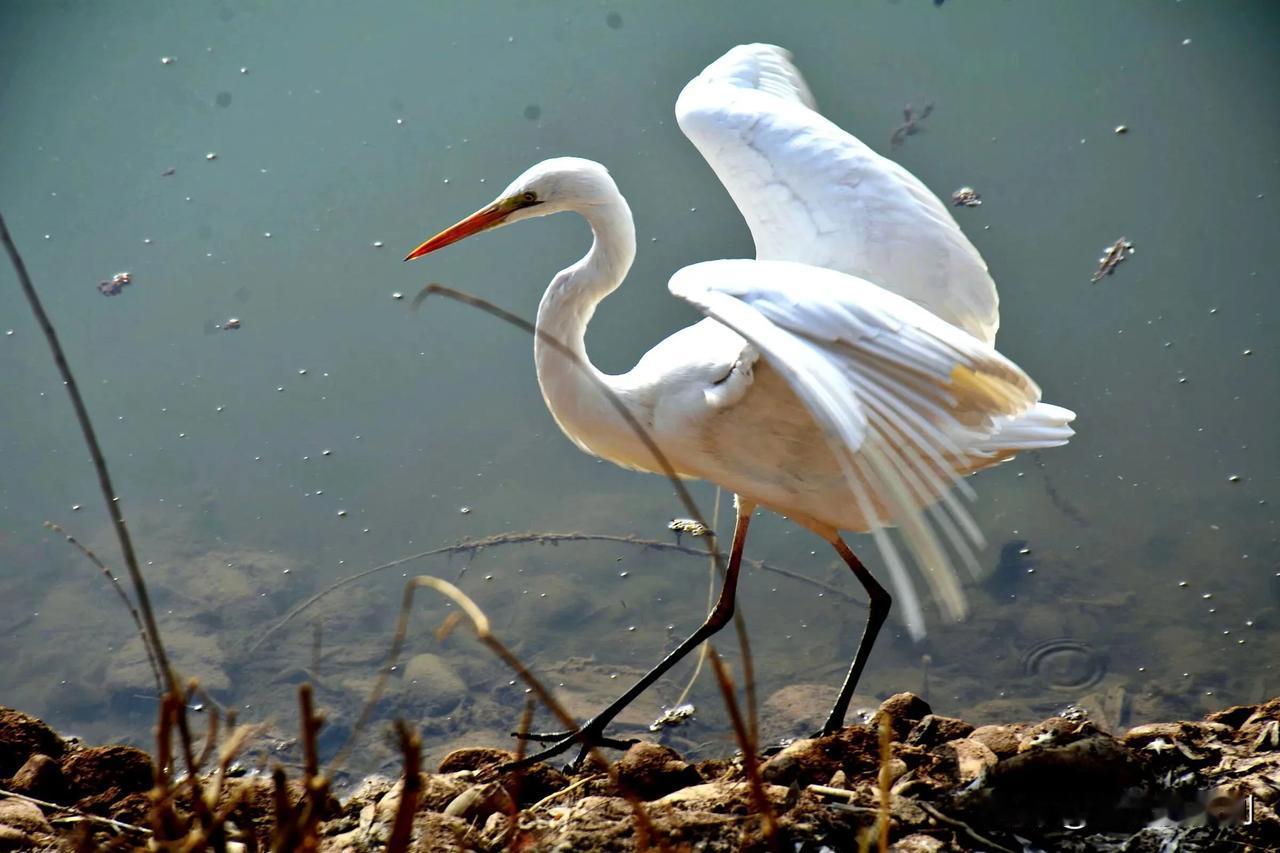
(529, 197)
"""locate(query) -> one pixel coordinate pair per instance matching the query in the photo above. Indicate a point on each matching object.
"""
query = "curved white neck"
(571, 390)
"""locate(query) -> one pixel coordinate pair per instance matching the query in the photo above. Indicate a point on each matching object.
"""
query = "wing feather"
(901, 395)
(811, 192)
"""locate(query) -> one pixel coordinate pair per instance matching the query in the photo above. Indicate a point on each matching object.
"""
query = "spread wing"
(813, 193)
(900, 394)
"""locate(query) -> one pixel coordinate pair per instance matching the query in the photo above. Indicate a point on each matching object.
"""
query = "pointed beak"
(481, 220)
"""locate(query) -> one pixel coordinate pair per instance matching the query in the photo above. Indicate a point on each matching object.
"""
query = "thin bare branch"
(124, 598)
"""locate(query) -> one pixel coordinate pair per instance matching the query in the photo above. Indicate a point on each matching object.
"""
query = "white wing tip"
(760, 67)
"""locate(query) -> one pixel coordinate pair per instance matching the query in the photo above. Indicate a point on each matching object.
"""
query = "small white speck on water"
(464, 510)
(8, 333)
(212, 155)
(1234, 478)
(378, 244)
(342, 513)
(1213, 310)
(75, 507)
(219, 408)
(326, 452)
(167, 60)
(146, 241)
(1186, 42)
(1247, 352)
(397, 295)
(244, 70)
(280, 388)
(400, 122)
(488, 577)
(266, 234)
(302, 371)
(623, 574)
(631, 627)
(182, 435)
(1121, 129)
(1207, 596)
(366, 530)
(1182, 583)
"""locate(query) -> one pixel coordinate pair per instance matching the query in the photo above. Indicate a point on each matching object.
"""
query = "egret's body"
(846, 378)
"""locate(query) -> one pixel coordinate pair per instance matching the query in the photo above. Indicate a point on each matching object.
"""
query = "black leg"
(881, 601)
(592, 732)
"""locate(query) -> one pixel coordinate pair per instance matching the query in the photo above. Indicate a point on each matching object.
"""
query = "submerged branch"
(542, 538)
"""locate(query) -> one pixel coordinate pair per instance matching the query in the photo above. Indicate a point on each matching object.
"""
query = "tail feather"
(1044, 425)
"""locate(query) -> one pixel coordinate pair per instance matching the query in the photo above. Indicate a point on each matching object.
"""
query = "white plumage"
(845, 378)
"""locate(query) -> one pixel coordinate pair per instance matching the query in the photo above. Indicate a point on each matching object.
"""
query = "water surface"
(1135, 569)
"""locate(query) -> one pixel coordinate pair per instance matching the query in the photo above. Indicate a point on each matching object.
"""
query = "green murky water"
(344, 135)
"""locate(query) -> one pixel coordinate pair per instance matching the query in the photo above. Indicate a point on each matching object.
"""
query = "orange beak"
(481, 220)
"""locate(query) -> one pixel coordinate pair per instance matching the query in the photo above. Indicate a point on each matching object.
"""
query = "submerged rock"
(436, 687)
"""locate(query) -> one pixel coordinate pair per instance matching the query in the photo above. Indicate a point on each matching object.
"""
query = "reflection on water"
(336, 430)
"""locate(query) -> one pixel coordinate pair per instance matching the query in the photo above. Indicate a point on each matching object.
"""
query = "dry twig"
(411, 749)
(750, 762)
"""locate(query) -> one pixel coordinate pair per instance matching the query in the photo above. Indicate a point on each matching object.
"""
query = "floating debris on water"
(378, 244)
(397, 295)
(212, 155)
(168, 60)
(966, 197)
(1122, 129)
(118, 282)
(1111, 258)
(681, 526)
(169, 172)
(673, 717)
(1234, 478)
(464, 510)
(231, 325)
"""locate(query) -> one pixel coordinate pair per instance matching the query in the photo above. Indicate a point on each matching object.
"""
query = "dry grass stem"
(750, 762)
(109, 493)
(411, 749)
(638, 429)
(884, 780)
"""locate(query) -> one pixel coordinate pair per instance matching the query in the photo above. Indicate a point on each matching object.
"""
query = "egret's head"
(551, 186)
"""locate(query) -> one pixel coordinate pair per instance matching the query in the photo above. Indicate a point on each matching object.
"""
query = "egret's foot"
(557, 737)
(589, 736)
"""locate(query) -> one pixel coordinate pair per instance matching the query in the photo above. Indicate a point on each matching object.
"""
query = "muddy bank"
(1057, 784)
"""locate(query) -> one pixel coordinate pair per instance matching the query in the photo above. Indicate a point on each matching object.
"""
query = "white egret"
(846, 378)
